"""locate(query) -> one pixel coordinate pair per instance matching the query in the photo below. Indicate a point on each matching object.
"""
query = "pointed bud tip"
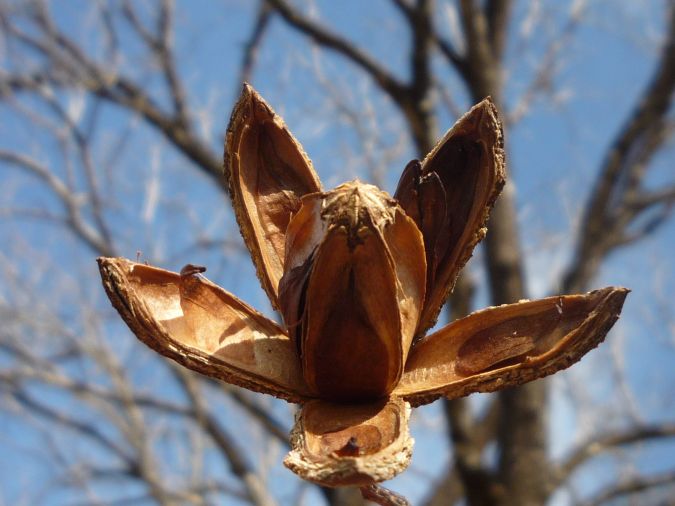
(191, 270)
(250, 103)
(485, 107)
(247, 89)
(616, 296)
(356, 204)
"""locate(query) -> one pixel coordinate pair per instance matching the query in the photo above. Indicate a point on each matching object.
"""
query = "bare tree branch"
(324, 37)
(609, 210)
(600, 444)
(273, 426)
(483, 69)
(497, 14)
(235, 460)
(68, 198)
(252, 45)
(421, 118)
(160, 44)
(165, 51)
(68, 66)
(82, 143)
(630, 486)
(135, 428)
(469, 438)
(89, 431)
(446, 48)
(549, 65)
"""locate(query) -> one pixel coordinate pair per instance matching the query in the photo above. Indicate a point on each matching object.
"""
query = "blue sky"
(554, 153)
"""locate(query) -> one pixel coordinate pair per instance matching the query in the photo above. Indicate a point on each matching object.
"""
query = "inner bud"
(359, 208)
(351, 293)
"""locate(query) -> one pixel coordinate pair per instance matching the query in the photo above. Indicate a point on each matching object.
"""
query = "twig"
(324, 37)
(230, 450)
(252, 45)
(610, 209)
(631, 486)
(383, 496)
(598, 445)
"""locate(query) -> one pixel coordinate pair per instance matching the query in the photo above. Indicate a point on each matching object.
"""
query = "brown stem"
(383, 496)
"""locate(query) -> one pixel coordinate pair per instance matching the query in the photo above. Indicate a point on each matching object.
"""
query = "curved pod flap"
(267, 172)
(339, 445)
(508, 345)
(450, 194)
(201, 326)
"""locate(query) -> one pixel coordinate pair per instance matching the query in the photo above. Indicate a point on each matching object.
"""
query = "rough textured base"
(350, 445)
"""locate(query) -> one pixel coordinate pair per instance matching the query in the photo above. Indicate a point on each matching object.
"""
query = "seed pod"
(352, 291)
(357, 276)
(267, 172)
(187, 318)
(508, 345)
(449, 195)
(350, 445)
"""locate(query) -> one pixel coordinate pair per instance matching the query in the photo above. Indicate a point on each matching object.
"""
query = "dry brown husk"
(450, 194)
(350, 445)
(267, 172)
(358, 277)
(473, 354)
(187, 318)
(203, 327)
(353, 291)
